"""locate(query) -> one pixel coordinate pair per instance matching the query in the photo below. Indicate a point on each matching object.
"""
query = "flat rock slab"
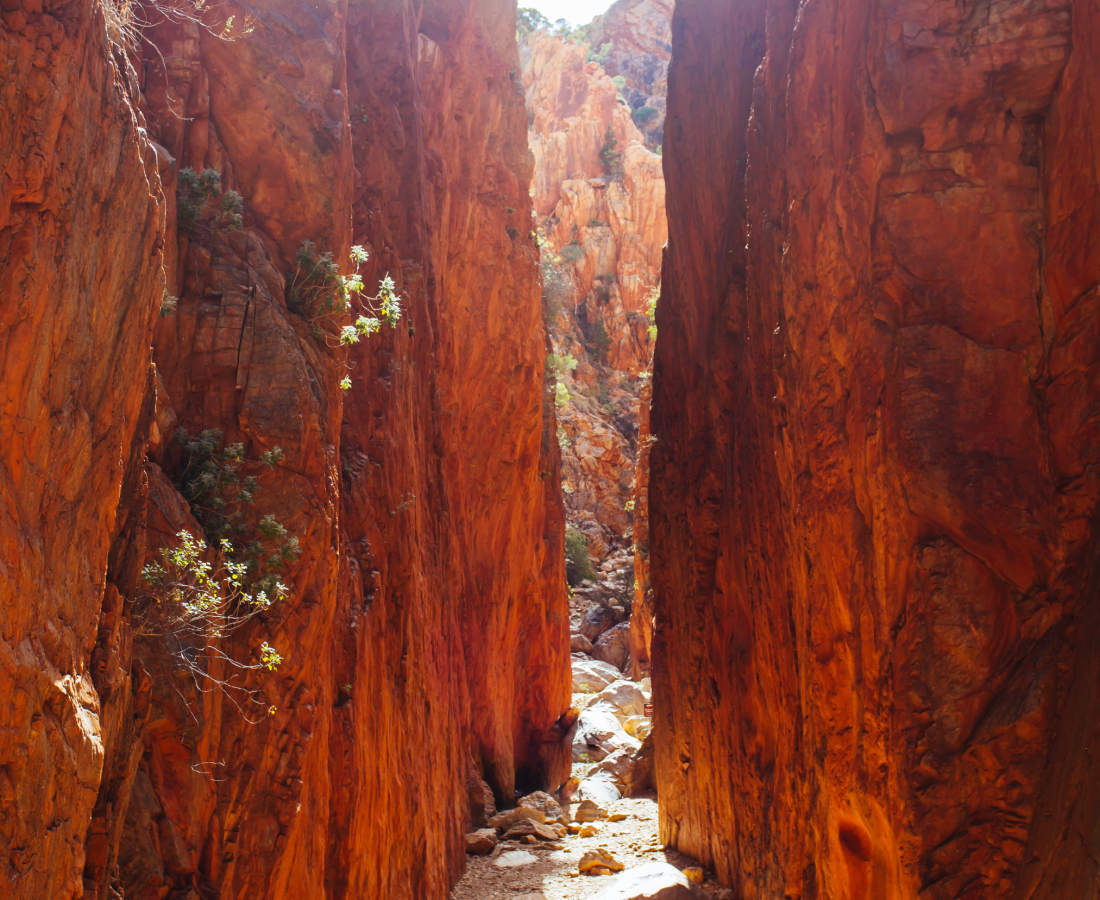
(513, 858)
(653, 881)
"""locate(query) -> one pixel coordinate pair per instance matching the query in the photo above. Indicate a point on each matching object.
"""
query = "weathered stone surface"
(599, 619)
(506, 819)
(579, 643)
(625, 697)
(588, 811)
(481, 842)
(652, 881)
(480, 796)
(640, 35)
(546, 804)
(417, 525)
(613, 647)
(871, 519)
(598, 733)
(599, 858)
(591, 675)
(81, 227)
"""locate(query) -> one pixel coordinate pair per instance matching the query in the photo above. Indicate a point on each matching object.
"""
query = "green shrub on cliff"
(578, 567)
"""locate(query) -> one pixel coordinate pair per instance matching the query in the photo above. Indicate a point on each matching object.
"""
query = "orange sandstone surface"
(425, 634)
(873, 493)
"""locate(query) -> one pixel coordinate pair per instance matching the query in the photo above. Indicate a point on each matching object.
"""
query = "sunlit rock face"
(640, 35)
(872, 501)
(425, 631)
(603, 228)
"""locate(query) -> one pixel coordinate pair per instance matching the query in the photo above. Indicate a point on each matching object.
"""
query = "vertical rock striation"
(872, 501)
(425, 632)
(80, 236)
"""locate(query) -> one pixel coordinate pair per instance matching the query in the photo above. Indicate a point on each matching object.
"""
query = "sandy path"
(632, 841)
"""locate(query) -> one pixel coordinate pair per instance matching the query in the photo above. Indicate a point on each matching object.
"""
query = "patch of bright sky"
(578, 12)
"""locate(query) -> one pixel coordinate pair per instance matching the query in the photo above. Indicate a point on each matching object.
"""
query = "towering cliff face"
(80, 234)
(602, 226)
(640, 36)
(425, 632)
(872, 495)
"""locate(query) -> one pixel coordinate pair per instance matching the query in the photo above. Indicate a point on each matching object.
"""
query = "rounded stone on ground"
(695, 873)
(513, 858)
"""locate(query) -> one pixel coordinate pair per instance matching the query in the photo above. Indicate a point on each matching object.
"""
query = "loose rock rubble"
(603, 837)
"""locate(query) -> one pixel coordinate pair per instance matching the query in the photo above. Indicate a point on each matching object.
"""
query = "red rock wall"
(871, 496)
(426, 630)
(80, 234)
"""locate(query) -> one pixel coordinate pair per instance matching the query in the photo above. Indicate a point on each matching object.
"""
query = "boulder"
(588, 811)
(590, 829)
(546, 804)
(481, 842)
(598, 620)
(638, 726)
(598, 733)
(653, 881)
(600, 788)
(578, 643)
(614, 646)
(528, 828)
(482, 805)
(591, 675)
(625, 697)
(619, 766)
(508, 818)
(599, 858)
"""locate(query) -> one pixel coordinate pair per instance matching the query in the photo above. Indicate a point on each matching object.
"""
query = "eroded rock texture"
(872, 490)
(425, 636)
(80, 232)
(640, 35)
(602, 228)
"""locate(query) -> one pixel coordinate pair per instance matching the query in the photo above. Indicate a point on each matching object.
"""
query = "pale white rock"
(653, 881)
(513, 858)
(600, 788)
(598, 733)
(592, 676)
(625, 696)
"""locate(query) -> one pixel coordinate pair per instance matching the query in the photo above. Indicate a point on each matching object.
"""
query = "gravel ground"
(632, 841)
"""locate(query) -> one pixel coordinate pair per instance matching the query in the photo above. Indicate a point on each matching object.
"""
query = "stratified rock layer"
(872, 491)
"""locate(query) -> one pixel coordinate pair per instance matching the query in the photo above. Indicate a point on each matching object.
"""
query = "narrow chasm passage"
(595, 102)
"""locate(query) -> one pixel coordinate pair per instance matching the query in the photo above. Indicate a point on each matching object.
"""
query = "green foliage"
(513, 232)
(561, 395)
(320, 294)
(600, 56)
(610, 158)
(595, 223)
(601, 341)
(643, 115)
(658, 150)
(563, 442)
(187, 602)
(559, 363)
(530, 20)
(651, 311)
(572, 251)
(578, 567)
(168, 305)
(198, 203)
